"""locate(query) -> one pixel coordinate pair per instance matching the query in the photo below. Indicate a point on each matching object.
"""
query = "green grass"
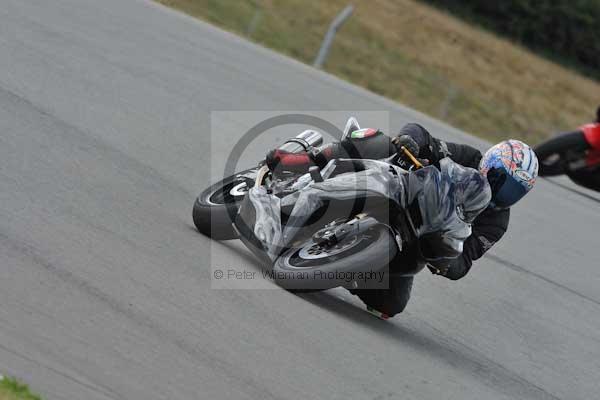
(422, 57)
(11, 389)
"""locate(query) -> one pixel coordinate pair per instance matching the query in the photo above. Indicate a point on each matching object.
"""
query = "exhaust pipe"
(303, 142)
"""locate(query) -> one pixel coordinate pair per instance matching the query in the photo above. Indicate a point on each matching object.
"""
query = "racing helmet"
(511, 168)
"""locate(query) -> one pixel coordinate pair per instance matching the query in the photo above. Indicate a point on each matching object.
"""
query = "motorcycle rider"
(510, 166)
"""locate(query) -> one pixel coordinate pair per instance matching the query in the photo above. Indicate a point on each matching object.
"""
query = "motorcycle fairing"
(591, 133)
(374, 180)
(448, 199)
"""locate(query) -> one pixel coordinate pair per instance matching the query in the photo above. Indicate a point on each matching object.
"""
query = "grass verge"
(11, 389)
(422, 57)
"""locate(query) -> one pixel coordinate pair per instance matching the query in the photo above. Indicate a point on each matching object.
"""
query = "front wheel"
(214, 208)
(314, 266)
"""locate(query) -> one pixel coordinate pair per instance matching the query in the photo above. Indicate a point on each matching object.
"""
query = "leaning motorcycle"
(314, 230)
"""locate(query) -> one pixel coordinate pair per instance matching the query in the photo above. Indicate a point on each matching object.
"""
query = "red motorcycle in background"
(575, 154)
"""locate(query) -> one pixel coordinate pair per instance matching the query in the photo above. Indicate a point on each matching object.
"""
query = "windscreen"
(351, 126)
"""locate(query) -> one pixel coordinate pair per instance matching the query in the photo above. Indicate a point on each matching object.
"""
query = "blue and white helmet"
(511, 167)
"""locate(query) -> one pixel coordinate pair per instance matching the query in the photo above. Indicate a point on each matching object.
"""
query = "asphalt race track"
(105, 285)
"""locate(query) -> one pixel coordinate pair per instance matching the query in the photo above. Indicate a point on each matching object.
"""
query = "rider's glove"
(411, 145)
(408, 142)
(454, 270)
(440, 270)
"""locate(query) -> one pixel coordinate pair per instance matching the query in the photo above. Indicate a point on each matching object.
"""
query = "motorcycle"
(575, 154)
(324, 228)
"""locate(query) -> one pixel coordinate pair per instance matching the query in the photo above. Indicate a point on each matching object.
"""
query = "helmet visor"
(508, 192)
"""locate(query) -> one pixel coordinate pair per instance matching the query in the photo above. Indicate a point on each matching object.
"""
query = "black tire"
(214, 208)
(372, 250)
(551, 153)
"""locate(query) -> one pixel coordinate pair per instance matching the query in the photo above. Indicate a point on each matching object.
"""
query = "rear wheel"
(555, 154)
(214, 208)
(314, 266)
